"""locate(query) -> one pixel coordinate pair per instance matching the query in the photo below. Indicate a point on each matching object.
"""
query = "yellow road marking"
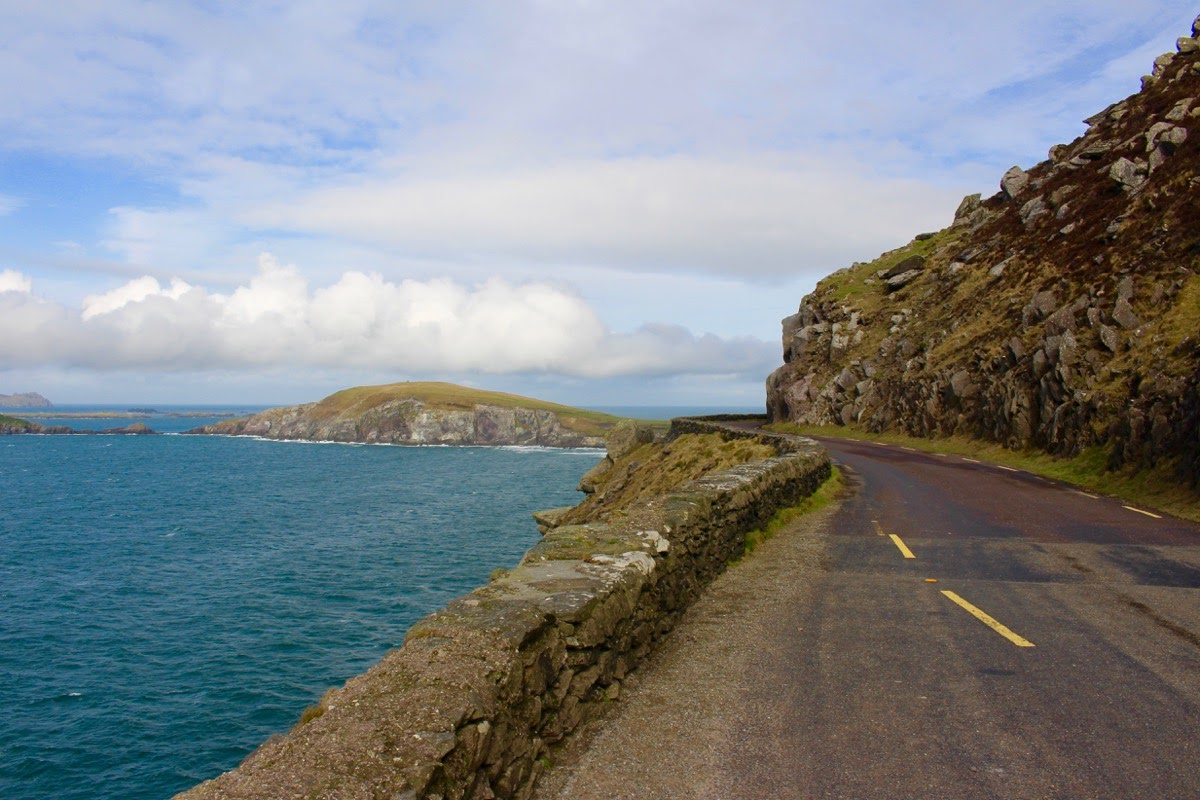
(1147, 513)
(903, 547)
(989, 621)
(878, 529)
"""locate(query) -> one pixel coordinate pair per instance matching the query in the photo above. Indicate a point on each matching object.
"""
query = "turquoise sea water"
(166, 603)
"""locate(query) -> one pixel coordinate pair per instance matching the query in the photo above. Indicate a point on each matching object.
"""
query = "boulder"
(1128, 174)
(916, 262)
(1014, 182)
(1040, 306)
(626, 437)
(847, 380)
(969, 205)
(1179, 111)
(549, 518)
(1161, 64)
(1061, 321)
(902, 280)
(963, 386)
(1109, 338)
(1187, 44)
(594, 477)
(1032, 210)
(1123, 315)
(1165, 134)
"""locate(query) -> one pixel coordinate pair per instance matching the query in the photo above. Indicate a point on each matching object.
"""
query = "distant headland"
(425, 413)
(24, 400)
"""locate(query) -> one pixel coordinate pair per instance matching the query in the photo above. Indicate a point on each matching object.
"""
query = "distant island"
(10, 426)
(24, 400)
(425, 413)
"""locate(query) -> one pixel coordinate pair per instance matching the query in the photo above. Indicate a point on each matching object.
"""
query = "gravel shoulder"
(681, 719)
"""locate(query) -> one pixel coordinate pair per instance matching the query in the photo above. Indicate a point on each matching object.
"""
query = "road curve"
(954, 630)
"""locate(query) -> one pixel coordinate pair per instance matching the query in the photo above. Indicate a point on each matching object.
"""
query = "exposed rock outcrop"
(1062, 313)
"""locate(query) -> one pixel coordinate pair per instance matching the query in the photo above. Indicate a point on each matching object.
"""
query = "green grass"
(14, 421)
(825, 494)
(1153, 489)
(654, 469)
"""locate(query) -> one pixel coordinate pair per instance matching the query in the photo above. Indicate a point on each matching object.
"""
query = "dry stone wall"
(471, 705)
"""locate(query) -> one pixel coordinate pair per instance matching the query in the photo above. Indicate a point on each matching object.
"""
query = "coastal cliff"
(1061, 314)
(425, 414)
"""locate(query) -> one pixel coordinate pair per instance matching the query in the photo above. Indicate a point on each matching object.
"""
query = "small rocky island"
(416, 413)
(13, 425)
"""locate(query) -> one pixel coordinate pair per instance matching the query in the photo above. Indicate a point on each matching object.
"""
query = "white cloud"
(361, 321)
(135, 291)
(13, 281)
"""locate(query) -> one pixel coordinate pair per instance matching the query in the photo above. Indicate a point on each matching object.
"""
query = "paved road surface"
(1065, 665)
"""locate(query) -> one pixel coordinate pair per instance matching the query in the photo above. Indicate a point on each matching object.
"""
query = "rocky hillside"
(1062, 313)
(425, 413)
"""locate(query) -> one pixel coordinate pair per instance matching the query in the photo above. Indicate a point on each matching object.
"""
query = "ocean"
(169, 602)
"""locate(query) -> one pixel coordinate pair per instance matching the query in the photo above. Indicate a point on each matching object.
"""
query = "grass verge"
(1154, 489)
(825, 494)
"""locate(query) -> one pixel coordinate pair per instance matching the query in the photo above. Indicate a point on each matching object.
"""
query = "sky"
(597, 203)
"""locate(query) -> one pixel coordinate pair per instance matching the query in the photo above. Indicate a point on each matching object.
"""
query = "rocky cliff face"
(411, 421)
(1063, 313)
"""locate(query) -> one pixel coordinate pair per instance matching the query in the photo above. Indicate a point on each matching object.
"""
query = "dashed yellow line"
(1004, 631)
(904, 551)
(1147, 513)
(878, 529)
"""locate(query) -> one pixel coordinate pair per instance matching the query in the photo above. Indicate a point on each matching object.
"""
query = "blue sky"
(596, 203)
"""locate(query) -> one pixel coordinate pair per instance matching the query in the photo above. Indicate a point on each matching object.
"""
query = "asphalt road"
(961, 630)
